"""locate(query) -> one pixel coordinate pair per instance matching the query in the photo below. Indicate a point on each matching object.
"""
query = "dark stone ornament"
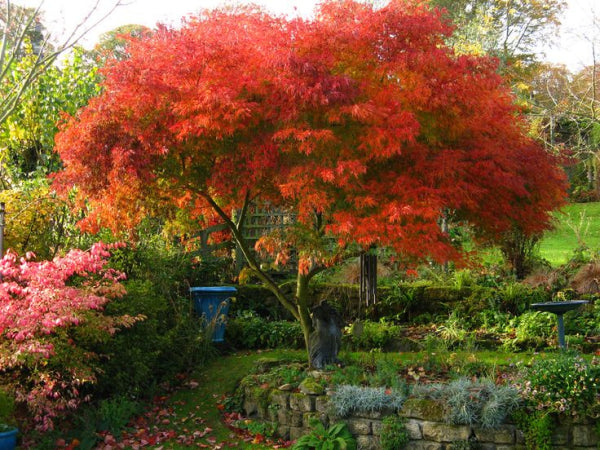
(326, 339)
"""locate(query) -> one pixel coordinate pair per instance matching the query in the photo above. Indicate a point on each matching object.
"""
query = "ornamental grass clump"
(348, 399)
(481, 403)
(566, 384)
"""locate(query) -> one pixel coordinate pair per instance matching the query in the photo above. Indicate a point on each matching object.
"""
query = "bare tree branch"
(14, 45)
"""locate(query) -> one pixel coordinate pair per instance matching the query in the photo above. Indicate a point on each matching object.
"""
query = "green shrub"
(136, 358)
(367, 335)
(537, 427)
(113, 414)
(515, 298)
(534, 329)
(453, 331)
(336, 437)
(387, 374)
(394, 435)
(7, 408)
(350, 374)
(259, 301)
(252, 332)
(463, 278)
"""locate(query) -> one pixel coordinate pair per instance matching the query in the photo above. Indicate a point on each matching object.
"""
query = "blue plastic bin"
(8, 439)
(213, 304)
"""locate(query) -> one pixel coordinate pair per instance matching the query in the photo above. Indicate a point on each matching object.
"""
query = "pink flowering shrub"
(566, 383)
(43, 306)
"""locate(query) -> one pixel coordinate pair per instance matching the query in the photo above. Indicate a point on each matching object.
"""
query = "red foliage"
(361, 115)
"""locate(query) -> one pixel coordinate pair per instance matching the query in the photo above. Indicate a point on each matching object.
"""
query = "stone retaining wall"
(292, 412)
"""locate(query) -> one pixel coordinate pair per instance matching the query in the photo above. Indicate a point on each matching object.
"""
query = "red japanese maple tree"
(361, 121)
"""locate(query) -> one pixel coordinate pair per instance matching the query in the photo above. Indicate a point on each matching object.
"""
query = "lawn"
(576, 224)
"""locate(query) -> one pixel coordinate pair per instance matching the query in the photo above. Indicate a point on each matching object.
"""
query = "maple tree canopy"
(361, 116)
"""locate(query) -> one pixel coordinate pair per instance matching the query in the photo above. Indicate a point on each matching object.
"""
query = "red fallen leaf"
(73, 445)
(211, 440)
(60, 443)
(165, 421)
(220, 407)
(264, 386)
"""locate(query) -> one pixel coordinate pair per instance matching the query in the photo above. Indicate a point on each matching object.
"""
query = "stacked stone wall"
(426, 429)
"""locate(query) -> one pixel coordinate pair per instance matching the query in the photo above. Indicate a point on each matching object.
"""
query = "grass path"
(189, 417)
(220, 377)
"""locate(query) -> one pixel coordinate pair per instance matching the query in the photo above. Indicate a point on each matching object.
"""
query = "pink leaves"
(36, 297)
(36, 300)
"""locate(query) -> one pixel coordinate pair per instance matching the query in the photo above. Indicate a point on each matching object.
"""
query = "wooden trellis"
(259, 221)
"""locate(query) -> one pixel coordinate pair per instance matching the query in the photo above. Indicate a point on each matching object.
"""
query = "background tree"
(37, 220)
(113, 43)
(27, 135)
(508, 29)
(361, 122)
(34, 90)
(21, 27)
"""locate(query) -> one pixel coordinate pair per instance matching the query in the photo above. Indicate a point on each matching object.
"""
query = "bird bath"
(559, 308)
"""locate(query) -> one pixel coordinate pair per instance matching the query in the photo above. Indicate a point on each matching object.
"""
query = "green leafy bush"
(7, 408)
(168, 341)
(367, 335)
(252, 332)
(564, 384)
(336, 437)
(533, 329)
(113, 414)
(537, 427)
(394, 435)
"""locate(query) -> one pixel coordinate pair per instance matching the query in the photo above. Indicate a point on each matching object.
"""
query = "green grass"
(558, 245)
(220, 377)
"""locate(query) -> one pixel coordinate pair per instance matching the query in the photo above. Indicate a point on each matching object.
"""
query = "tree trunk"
(304, 309)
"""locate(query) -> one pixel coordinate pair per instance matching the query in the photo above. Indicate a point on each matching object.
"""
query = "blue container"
(212, 303)
(8, 439)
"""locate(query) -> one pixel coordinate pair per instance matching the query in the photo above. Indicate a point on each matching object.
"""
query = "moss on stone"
(311, 386)
(426, 409)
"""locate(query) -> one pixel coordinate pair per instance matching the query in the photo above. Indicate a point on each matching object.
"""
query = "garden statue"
(326, 339)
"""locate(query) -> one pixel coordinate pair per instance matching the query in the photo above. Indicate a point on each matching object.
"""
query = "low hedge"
(405, 302)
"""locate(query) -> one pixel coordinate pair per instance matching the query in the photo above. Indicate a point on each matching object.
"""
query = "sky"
(570, 47)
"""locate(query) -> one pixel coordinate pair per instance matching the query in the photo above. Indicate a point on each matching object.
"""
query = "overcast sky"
(571, 48)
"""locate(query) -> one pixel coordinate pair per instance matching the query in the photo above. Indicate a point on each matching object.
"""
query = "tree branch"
(237, 235)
